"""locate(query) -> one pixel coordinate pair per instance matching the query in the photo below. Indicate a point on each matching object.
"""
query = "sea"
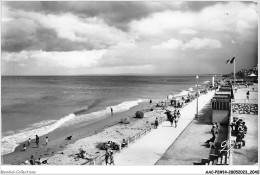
(41, 104)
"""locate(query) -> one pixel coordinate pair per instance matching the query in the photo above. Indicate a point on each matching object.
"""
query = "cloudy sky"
(75, 38)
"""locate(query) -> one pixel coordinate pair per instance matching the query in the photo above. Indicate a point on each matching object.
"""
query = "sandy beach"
(92, 133)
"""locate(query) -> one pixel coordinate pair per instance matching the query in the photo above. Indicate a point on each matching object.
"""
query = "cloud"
(233, 17)
(170, 44)
(195, 43)
(123, 36)
(74, 59)
(116, 14)
(188, 31)
(34, 31)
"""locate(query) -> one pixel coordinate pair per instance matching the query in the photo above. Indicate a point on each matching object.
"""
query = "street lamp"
(197, 111)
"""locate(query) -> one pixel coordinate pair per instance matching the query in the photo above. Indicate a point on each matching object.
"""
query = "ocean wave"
(10, 142)
(182, 93)
(124, 106)
(191, 89)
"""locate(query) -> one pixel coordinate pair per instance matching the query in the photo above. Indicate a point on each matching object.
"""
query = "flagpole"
(234, 70)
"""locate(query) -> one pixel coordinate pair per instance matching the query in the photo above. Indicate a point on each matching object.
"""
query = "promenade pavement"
(149, 149)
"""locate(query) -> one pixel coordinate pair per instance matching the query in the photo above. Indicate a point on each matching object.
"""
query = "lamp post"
(197, 110)
(214, 84)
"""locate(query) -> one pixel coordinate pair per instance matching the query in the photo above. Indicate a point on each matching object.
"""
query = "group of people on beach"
(37, 140)
(239, 129)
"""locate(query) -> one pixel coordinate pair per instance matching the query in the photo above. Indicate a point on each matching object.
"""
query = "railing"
(99, 159)
(250, 101)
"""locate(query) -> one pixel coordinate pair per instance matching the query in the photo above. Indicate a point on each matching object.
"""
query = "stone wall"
(245, 108)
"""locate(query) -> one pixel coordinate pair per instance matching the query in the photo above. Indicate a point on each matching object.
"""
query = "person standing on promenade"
(111, 111)
(111, 158)
(175, 120)
(29, 142)
(107, 156)
(37, 140)
(178, 114)
(156, 123)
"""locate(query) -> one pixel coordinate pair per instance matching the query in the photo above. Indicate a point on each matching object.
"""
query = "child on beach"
(47, 141)
(29, 142)
(24, 147)
(156, 123)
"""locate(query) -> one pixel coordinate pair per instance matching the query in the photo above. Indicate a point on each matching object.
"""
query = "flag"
(230, 61)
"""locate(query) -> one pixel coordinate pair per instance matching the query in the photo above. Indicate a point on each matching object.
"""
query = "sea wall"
(245, 108)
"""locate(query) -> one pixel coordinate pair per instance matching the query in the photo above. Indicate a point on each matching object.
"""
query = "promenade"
(149, 149)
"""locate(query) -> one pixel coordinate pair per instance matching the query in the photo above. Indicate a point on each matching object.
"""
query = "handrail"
(99, 159)
(248, 101)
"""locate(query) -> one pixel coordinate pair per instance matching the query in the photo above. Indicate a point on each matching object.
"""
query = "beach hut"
(139, 114)
(125, 120)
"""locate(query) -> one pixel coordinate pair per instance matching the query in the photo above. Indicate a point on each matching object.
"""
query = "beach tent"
(139, 114)
(125, 120)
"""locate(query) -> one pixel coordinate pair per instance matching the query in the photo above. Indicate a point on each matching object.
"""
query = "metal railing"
(249, 101)
(98, 160)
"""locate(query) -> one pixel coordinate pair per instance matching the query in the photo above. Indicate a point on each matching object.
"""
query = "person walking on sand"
(247, 95)
(111, 111)
(111, 158)
(29, 142)
(156, 123)
(107, 156)
(37, 140)
(46, 141)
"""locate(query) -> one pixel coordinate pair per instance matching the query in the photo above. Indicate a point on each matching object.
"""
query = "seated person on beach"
(38, 162)
(81, 153)
(124, 143)
(24, 147)
(32, 162)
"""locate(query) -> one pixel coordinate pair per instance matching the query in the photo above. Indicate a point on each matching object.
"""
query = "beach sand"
(93, 133)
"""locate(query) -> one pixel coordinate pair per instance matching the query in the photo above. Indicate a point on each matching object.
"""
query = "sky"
(148, 38)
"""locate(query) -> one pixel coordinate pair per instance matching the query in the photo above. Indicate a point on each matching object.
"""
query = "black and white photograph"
(129, 83)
